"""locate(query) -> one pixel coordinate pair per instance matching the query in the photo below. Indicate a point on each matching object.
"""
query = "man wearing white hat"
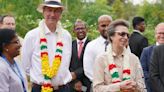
(46, 51)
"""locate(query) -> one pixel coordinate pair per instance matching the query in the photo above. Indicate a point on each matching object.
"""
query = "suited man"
(76, 65)
(147, 52)
(137, 41)
(157, 69)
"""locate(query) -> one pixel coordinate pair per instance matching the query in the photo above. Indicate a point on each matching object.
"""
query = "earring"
(7, 50)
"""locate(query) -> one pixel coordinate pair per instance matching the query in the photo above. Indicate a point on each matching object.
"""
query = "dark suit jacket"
(137, 42)
(157, 69)
(145, 62)
(76, 64)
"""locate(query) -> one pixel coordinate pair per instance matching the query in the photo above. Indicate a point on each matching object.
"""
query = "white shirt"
(31, 54)
(92, 49)
(138, 32)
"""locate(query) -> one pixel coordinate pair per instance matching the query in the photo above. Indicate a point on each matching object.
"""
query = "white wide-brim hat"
(50, 3)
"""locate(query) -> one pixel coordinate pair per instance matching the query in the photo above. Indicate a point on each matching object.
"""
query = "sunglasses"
(104, 25)
(123, 34)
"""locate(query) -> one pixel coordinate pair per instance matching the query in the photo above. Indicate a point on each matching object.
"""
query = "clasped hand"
(128, 86)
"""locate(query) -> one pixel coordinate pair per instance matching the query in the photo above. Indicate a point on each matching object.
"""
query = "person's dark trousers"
(37, 88)
(86, 82)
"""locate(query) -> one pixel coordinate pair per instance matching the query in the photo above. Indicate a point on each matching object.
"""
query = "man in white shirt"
(46, 51)
(96, 46)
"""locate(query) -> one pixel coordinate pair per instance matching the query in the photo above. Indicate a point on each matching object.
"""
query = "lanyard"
(18, 73)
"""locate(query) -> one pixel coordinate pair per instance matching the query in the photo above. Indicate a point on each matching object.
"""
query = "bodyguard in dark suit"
(137, 41)
(145, 61)
(147, 52)
(157, 69)
(76, 65)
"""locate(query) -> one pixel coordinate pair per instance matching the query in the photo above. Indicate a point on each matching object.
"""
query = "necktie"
(80, 48)
(106, 44)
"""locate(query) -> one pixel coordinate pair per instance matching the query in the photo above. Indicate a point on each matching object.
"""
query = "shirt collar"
(47, 31)
(102, 39)
(157, 43)
(138, 32)
(81, 40)
(122, 54)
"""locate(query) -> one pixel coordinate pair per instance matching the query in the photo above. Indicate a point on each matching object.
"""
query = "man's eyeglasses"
(160, 33)
(78, 29)
(123, 34)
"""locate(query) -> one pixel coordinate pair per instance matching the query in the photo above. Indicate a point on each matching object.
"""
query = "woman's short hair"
(6, 35)
(114, 24)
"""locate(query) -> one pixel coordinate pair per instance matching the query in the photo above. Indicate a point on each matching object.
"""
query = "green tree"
(153, 14)
(117, 9)
(27, 17)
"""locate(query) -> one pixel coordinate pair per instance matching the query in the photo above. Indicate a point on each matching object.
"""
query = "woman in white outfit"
(12, 77)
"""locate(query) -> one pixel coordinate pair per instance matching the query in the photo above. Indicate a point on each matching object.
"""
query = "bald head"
(104, 17)
(103, 25)
(160, 26)
(159, 33)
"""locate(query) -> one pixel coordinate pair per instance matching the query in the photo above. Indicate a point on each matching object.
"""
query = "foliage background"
(27, 17)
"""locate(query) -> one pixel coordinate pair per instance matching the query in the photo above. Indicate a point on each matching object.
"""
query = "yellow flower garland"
(48, 71)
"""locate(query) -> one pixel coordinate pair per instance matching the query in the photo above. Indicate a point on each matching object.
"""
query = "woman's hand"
(128, 86)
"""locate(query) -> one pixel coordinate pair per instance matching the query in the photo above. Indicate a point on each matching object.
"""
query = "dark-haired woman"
(12, 77)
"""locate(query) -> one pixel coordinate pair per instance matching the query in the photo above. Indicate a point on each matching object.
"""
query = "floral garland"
(113, 69)
(47, 70)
